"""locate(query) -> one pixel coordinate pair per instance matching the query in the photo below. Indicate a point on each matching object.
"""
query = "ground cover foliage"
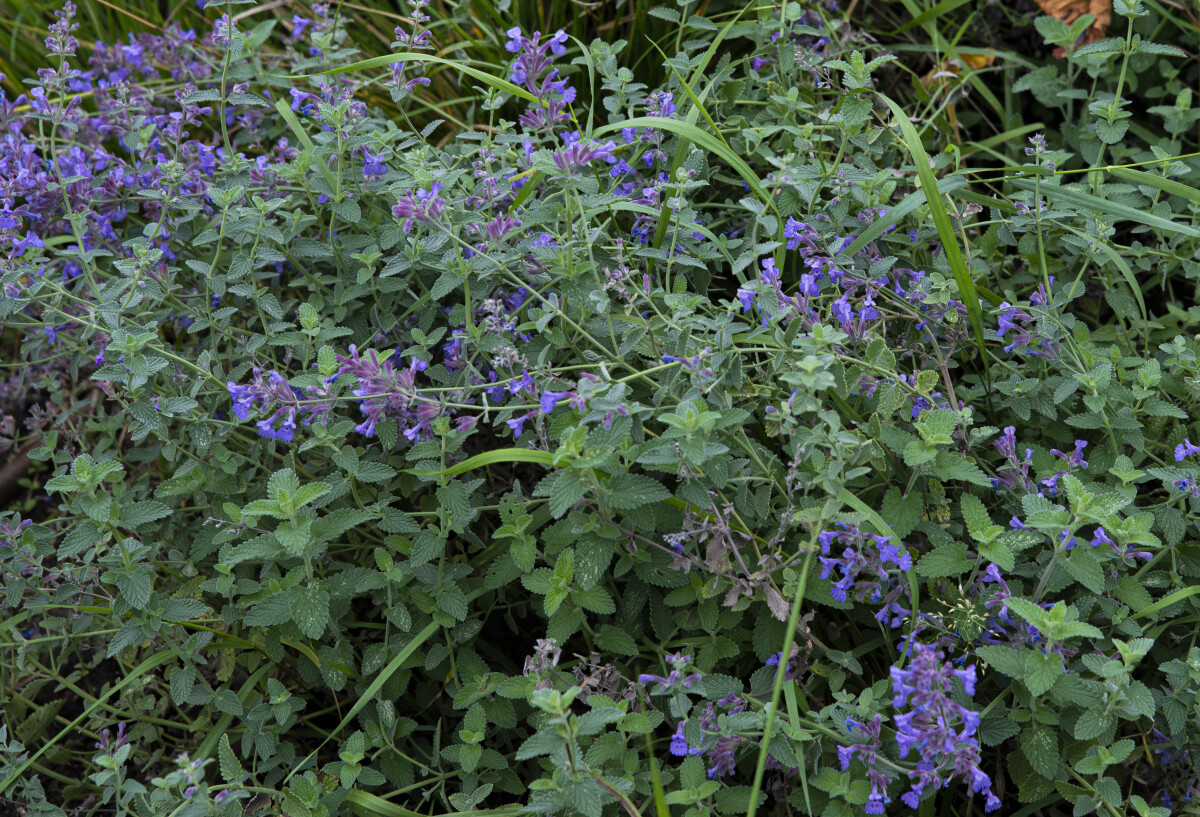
(589, 410)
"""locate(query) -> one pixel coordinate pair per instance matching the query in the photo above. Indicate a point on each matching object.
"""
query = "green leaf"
(945, 560)
(294, 537)
(231, 767)
(628, 491)
(904, 512)
(1092, 723)
(1085, 569)
(139, 513)
(1029, 611)
(270, 612)
(998, 553)
(595, 599)
(1040, 747)
(1042, 671)
(979, 523)
(617, 640)
(1006, 660)
(564, 567)
(135, 585)
(951, 467)
(564, 488)
(936, 426)
(310, 610)
(374, 472)
(310, 492)
(453, 497)
(281, 483)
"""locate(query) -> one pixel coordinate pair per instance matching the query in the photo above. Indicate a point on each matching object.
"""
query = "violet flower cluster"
(868, 751)
(940, 731)
(871, 567)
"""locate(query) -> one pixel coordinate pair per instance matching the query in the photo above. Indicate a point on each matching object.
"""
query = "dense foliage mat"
(785, 409)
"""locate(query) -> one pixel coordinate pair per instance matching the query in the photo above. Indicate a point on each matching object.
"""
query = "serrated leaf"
(231, 767)
(903, 512)
(1042, 671)
(374, 472)
(310, 610)
(134, 585)
(283, 481)
(1040, 747)
(628, 491)
(1085, 569)
(976, 517)
(617, 640)
(1006, 660)
(945, 560)
(270, 612)
(140, 513)
(564, 488)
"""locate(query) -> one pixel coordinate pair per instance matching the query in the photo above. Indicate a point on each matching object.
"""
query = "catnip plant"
(546, 421)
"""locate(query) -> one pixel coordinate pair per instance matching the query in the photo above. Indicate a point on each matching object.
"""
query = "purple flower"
(757, 63)
(941, 731)
(864, 565)
(517, 424)
(300, 101)
(1052, 482)
(1188, 484)
(1185, 449)
(20, 245)
(514, 40)
(1075, 459)
(298, 25)
(425, 206)
(373, 164)
(1005, 320)
(550, 399)
(579, 155)
(746, 296)
(679, 745)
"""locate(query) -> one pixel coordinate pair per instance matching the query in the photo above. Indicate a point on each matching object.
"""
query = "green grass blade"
(409, 56)
(944, 7)
(1008, 137)
(153, 662)
(702, 138)
(1152, 180)
(777, 690)
(1127, 274)
(526, 190)
(289, 116)
(1121, 212)
(371, 691)
(894, 214)
(490, 458)
(945, 230)
(209, 744)
(1167, 601)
